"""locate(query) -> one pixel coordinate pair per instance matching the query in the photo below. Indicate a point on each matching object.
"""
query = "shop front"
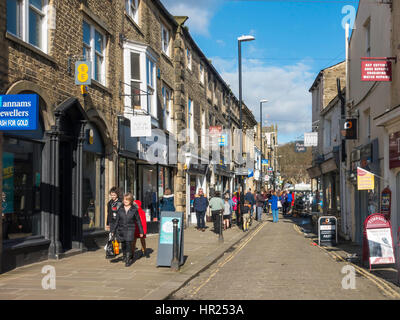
(53, 187)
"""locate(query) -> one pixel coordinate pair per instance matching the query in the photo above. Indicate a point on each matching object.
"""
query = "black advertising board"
(166, 238)
(299, 146)
(348, 129)
(327, 231)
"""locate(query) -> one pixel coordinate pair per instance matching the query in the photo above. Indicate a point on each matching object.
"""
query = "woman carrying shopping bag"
(127, 221)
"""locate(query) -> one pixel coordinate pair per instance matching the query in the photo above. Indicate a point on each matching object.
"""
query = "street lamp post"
(261, 137)
(240, 40)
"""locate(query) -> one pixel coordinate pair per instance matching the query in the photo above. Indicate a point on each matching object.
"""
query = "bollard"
(221, 237)
(175, 260)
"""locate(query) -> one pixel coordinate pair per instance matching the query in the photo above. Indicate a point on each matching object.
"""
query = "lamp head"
(264, 101)
(246, 38)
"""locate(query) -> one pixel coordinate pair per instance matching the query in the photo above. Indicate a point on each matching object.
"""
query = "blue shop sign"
(19, 111)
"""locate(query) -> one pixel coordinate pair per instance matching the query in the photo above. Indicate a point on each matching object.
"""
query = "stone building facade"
(144, 63)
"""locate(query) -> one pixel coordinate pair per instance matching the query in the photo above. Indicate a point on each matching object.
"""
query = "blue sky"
(295, 39)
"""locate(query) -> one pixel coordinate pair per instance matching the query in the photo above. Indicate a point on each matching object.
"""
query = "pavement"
(89, 276)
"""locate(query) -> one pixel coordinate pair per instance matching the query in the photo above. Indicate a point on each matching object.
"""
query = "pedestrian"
(260, 199)
(217, 207)
(284, 202)
(127, 220)
(142, 216)
(289, 202)
(200, 205)
(246, 208)
(235, 200)
(250, 197)
(227, 212)
(274, 206)
(167, 201)
(112, 208)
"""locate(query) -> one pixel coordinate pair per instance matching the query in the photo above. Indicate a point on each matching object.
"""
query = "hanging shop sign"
(327, 231)
(140, 126)
(386, 202)
(299, 147)
(365, 179)
(349, 129)
(376, 69)
(223, 140)
(264, 162)
(83, 73)
(378, 240)
(311, 139)
(166, 238)
(394, 150)
(19, 112)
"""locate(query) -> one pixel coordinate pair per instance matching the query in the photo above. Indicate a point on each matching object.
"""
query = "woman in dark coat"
(112, 208)
(127, 220)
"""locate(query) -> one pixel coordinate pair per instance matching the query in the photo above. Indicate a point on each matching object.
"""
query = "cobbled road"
(276, 262)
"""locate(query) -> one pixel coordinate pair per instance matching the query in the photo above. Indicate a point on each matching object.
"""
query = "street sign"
(299, 147)
(327, 231)
(270, 169)
(83, 73)
(264, 162)
(311, 139)
(223, 140)
(19, 112)
(165, 241)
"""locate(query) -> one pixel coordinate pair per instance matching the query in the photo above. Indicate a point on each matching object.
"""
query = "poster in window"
(8, 183)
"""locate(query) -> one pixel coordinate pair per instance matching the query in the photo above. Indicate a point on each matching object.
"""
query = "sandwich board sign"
(378, 240)
(327, 231)
(166, 238)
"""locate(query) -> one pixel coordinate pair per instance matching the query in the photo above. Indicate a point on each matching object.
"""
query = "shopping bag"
(279, 204)
(116, 247)
(110, 247)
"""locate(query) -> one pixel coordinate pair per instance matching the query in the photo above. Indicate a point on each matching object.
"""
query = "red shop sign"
(378, 240)
(376, 69)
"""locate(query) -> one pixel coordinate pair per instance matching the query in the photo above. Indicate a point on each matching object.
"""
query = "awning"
(329, 165)
(314, 172)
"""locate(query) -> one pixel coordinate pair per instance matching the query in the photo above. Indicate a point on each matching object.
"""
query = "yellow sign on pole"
(365, 180)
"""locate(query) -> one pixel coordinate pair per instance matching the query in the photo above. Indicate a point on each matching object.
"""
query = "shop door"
(361, 214)
(65, 183)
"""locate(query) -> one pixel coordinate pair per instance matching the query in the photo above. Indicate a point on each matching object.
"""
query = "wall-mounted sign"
(394, 150)
(348, 129)
(299, 147)
(365, 179)
(83, 73)
(376, 70)
(264, 162)
(140, 126)
(378, 240)
(311, 139)
(223, 140)
(386, 202)
(19, 112)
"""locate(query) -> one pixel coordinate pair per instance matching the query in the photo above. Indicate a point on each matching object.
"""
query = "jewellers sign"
(19, 111)
(376, 69)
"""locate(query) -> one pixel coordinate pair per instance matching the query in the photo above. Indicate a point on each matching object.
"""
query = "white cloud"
(200, 13)
(285, 87)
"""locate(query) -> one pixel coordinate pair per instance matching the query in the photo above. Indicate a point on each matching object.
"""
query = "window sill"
(134, 23)
(21, 243)
(98, 85)
(169, 59)
(30, 47)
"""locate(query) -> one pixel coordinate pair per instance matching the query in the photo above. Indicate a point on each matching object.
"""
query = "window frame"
(191, 120)
(131, 11)
(201, 72)
(167, 94)
(93, 51)
(22, 22)
(145, 53)
(189, 58)
(163, 41)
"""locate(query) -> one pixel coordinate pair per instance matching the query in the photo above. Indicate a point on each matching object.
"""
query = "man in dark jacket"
(127, 220)
(260, 200)
(200, 205)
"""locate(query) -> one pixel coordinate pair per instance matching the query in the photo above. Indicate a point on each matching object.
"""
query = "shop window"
(93, 180)
(22, 161)
(127, 175)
